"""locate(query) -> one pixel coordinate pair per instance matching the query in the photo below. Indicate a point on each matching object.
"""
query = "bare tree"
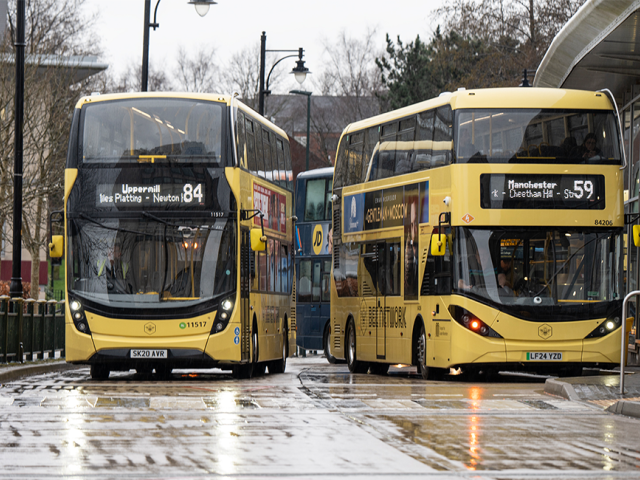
(131, 81)
(53, 28)
(352, 73)
(198, 74)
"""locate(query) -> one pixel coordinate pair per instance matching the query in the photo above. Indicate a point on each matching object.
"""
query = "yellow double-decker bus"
(178, 236)
(480, 230)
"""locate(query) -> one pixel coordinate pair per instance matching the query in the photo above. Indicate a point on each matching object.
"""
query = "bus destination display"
(542, 191)
(127, 194)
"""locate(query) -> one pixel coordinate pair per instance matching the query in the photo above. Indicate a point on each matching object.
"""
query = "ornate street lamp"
(202, 7)
(299, 71)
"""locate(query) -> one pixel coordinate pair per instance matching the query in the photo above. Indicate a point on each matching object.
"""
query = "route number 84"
(189, 192)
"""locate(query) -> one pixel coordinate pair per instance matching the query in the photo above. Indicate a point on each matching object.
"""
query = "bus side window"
(242, 161)
(279, 161)
(327, 200)
(259, 151)
(287, 163)
(251, 150)
(422, 148)
(354, 158)
(404, 145)
(386, 164)
(341, 162)
(269, 167)
(443, 137)
(304, 283)
(314, 205)
(371, 138)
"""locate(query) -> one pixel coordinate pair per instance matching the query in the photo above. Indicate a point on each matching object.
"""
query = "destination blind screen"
(130, 195)
(542, 191)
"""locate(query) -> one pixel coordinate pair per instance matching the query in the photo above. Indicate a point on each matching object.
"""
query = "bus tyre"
(354, 365)
(258, 368)
(279, 366)
(326, 338)
(378, 368)
(99, 372)
(428, 373)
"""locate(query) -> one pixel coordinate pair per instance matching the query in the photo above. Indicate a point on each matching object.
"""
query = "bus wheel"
(428, 373)
(378, 368)
(325, 343)
(279, 366)
(354, 365)
(99, 372)
(258, 368)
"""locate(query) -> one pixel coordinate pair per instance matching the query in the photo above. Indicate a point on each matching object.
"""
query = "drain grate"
(539, 404)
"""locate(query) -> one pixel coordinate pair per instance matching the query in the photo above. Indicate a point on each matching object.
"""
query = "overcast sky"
(232, 25)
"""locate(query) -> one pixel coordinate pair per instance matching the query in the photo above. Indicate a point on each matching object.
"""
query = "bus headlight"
(605, 328)
(78, 317)
(223, 315)
(472, 322)
(227, 305)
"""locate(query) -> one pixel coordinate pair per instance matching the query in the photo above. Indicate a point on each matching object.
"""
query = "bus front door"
(246, 272)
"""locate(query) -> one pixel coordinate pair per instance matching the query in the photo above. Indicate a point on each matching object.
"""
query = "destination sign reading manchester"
(127, 194)
(542, 191)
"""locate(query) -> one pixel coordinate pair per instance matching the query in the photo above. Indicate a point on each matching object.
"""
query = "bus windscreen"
(151, 131)
(536, 136)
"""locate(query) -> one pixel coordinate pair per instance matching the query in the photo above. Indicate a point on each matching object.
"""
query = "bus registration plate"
(148, 354)
(545, 356)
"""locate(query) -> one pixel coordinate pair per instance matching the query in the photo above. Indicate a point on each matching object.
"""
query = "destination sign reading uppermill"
(542, 191)
(126, 194)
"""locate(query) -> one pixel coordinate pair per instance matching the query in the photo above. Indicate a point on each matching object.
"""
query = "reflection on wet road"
(315, 420)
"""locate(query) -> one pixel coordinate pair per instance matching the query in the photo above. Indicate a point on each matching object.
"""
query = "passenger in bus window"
(504, 287)
(589, 148)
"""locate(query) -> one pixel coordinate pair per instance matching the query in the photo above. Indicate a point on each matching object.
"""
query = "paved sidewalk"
(13, 371)
(602, 389)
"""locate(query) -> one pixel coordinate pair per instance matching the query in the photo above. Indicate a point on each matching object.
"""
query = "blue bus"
(313, 259)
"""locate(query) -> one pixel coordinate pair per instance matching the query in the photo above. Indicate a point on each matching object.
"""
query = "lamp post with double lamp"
(202, 7)
(299, 71)
(308, 94)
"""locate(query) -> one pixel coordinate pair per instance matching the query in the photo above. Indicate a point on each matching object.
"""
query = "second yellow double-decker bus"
(178, 236)
(480, 230)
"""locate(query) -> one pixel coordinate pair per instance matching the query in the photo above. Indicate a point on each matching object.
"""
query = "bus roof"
(209, 97)
(514, 97)
(317, 173)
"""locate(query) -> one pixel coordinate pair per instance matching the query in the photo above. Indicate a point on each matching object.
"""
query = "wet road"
(315, 421)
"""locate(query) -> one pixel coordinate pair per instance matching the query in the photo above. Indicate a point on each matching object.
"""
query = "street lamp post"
(300, 71)
(15, 287)
(202, 7)
(308, 94)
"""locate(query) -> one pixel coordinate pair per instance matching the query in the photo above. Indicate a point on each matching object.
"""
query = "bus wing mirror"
(56, 247)
(258, 240)
(636, 235)
(438, 244)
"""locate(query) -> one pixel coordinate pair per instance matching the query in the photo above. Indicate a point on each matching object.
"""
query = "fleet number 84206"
(604, 223)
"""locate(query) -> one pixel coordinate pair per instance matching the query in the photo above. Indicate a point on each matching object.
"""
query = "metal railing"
(30, 329)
